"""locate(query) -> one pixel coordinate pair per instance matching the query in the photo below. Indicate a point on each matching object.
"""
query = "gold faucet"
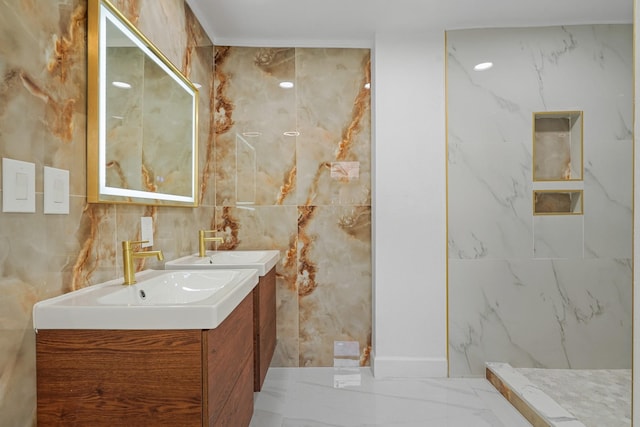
(127, 259)
(201, 239)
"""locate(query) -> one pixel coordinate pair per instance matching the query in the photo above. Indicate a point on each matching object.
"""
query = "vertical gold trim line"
(533, 147)
(582, 147)
(93, 22)
(633, 204)
(446, 185)
(196, 148)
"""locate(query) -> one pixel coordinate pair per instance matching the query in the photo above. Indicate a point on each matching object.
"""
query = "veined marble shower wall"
(43, 56)
(293, 172)
(549, 291)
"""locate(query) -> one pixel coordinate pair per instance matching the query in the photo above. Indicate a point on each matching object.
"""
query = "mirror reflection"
(145, 120)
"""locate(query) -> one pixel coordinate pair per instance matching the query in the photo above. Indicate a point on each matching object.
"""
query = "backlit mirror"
(142, 118)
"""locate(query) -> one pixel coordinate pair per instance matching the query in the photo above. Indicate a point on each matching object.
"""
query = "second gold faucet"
(202, 239)
(127, 259)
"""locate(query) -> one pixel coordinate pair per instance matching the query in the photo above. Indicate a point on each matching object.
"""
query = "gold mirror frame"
(167, 182)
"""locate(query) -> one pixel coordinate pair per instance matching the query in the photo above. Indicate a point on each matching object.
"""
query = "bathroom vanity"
(148, 377)
(186, 376)
(264, 295)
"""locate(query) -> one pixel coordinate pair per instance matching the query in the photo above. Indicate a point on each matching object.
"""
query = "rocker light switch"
(56, 191)
(21, 190)
(18, 186)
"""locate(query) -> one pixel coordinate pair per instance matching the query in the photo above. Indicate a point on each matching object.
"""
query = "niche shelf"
(558, 202)
(557, 146)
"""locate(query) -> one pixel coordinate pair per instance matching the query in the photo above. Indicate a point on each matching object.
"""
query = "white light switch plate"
(56, 191)
(146, 230)
(18, 186)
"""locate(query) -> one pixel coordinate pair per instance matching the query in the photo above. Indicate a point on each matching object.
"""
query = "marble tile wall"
(544, 291)
(320, 221)
(293, 173)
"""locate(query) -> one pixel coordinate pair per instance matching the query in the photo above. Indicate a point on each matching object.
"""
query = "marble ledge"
(534, 404)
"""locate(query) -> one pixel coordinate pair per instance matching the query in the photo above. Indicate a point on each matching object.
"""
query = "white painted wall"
(409, 199)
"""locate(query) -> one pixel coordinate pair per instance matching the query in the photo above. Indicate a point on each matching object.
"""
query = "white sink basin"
(160, 300)
(263, 261)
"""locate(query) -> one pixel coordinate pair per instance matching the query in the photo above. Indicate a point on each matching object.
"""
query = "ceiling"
(353, 23)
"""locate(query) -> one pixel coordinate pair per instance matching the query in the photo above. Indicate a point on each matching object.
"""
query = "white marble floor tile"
(331, 397)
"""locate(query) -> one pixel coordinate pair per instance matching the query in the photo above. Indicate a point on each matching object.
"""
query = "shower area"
(540, 191)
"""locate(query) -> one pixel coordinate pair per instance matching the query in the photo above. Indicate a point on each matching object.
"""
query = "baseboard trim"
(408, 367)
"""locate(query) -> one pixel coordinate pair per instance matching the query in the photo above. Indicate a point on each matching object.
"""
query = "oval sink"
(263, 261)
(160, 300)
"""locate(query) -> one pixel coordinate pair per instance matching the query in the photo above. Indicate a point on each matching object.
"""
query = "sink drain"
(143, 295)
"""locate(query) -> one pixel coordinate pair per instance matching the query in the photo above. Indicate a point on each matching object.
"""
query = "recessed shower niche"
(557, 202)
(557, 146)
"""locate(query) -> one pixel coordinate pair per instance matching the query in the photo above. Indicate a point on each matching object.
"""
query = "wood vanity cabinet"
(148, 377)
(264, 303)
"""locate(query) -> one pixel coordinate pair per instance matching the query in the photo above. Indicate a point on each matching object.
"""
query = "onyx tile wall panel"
(307, 199)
